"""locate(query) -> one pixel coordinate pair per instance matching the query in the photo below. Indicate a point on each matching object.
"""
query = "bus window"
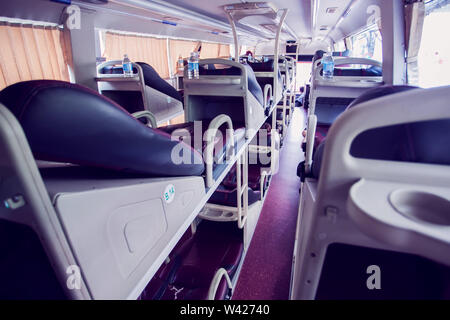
(303, 73)
(367, 44)
(434, 53)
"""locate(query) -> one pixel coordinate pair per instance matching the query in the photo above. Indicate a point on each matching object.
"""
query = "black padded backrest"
(253, 85)
(153, 80)
(65, 122)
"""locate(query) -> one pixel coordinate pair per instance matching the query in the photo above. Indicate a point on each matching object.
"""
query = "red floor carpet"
(266, 271)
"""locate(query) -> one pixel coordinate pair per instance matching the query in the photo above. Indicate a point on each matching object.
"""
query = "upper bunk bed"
(144, 90)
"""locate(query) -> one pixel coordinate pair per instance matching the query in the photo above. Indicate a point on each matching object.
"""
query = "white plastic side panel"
(117, 234)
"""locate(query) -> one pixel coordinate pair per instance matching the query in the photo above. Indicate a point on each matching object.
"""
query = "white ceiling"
(305, 18)
(298, 18)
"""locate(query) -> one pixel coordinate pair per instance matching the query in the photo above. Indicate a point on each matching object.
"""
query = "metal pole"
(235, 36)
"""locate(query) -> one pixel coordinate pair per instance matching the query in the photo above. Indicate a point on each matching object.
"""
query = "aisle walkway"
(266, 271)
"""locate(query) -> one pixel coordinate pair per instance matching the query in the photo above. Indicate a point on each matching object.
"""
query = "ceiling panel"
(298, 18)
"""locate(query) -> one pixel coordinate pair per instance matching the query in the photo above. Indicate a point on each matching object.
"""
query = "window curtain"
(30, 52)
(224, 51)
(139, 49)
(209, 50)
(414, 18)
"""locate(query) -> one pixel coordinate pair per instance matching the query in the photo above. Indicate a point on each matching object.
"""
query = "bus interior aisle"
(230, 150)
(275, 232)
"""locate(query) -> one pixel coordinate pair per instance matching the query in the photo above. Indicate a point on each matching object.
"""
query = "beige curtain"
(209, 50)
(414, 19)
(180, 47)
(224, 51)
(139, 49)
(33, 52)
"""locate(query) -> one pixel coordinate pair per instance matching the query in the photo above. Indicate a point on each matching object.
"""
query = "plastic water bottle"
(328, 66)
(193, 72)
(127, 66)
(180, 64)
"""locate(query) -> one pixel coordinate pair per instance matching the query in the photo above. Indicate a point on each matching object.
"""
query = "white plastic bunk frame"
(338, 86)
(277, 94)
(159, 106)
(373, 203)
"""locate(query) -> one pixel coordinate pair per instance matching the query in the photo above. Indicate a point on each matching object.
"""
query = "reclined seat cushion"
(65, 122)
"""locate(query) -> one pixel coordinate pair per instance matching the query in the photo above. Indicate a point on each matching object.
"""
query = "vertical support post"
(235, 36)
(242, 187)
(275, 56)
(275, 66)
(393, 32)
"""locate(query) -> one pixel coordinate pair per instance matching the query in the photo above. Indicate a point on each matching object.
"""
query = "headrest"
(65, 122)
(423, 141)
(379, 92)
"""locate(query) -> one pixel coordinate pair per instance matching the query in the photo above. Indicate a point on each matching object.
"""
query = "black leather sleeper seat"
(66, 122)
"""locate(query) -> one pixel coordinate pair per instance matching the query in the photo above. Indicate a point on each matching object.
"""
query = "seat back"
(230, 88)
(145, 91)
(390, 139)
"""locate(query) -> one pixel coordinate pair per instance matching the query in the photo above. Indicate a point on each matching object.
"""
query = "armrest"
(210, 134)
(221, 273)
(148, 115)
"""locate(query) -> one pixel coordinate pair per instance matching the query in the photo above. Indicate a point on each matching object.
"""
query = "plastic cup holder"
(421, 206)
